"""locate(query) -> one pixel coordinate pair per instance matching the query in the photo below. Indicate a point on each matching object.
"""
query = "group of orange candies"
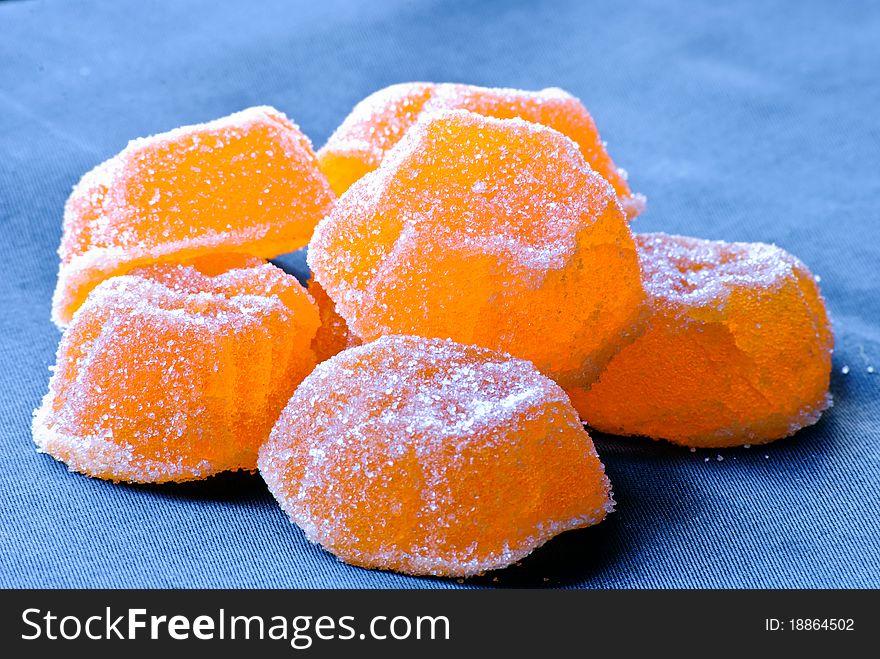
(476, 296)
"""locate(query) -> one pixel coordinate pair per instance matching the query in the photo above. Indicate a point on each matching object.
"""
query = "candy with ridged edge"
(177, 371)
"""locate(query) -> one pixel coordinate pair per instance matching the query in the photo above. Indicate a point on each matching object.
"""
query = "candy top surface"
(381, 119)
(221, 289)
(693, 272)
(419, 390)
(232, 125)
(463, 181)
(153, 189)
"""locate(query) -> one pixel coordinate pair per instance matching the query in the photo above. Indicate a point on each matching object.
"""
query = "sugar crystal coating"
(737, 349)
(379, 121)
(430, 457)
(177, 371)
(246, 183)
(489, 232)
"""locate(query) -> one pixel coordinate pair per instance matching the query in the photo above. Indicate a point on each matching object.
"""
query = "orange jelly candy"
(737, 350)
(379, 121)
(175, 372)
(333, 335)
(492, 232)
(430, 457)
(246, 183)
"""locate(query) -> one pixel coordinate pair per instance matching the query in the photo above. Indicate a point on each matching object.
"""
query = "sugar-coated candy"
(426, 456)
(175, 372)
(379, 121)
(737, 349)
(492, 232)
(333, 336)
(246, 183)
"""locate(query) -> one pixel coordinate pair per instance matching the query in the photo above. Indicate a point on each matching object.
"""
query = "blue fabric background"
(742, 122)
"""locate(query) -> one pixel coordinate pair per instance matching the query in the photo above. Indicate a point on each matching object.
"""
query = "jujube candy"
(492, 232)
(737, 348)
(426, 456)
(247, 183)
(176, 372)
